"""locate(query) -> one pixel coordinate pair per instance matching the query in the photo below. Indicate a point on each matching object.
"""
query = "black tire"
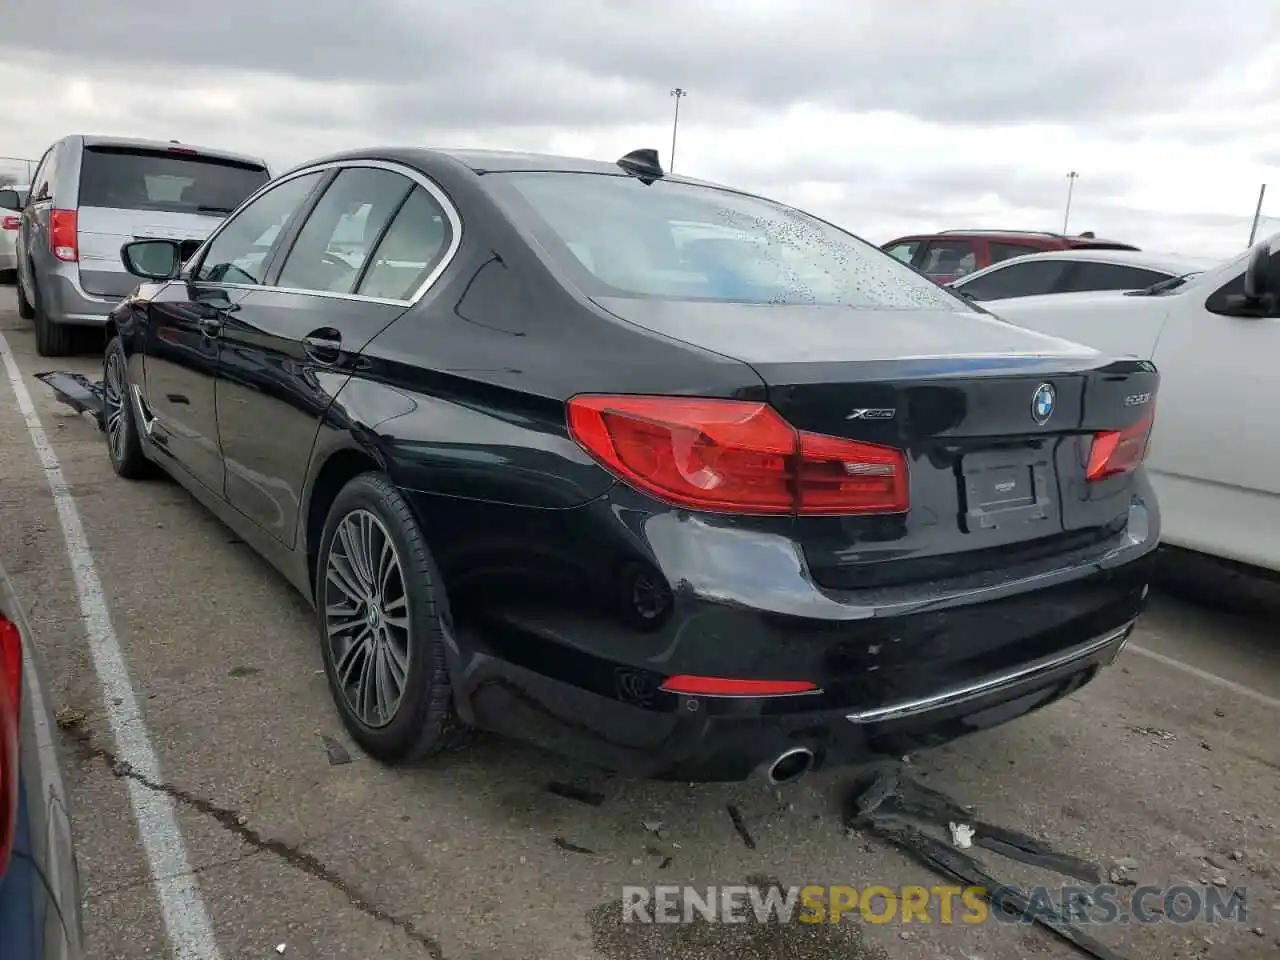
(52, 339)
(25, 310)
(124, 450)
(423, 722)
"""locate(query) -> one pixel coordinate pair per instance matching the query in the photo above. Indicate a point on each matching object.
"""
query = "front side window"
(341, 231)
(1026, 279)
(238, 254)
(904, 251)
(617, 237)
(1220, 300)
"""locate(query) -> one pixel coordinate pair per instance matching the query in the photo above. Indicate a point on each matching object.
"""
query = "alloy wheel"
(114, 400)
(366, 618)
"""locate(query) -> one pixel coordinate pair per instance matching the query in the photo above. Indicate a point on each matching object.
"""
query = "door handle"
(210, 326)
(323, 346)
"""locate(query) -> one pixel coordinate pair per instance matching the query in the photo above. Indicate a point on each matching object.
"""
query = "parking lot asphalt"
(1169, 763)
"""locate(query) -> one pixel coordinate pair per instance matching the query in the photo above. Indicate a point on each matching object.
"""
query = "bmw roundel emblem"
(1043, 402)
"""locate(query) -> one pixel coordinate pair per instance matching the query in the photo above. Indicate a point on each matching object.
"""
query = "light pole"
(676, 92)
(1071, 182)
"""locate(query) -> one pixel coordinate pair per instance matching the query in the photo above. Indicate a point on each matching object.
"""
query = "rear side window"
(949, 258)
(1029, 279)
(418, 238)
(1006, 251)
(617, 237)
(1110, 276)
(332, 246)
(10, 199)
(132, 179)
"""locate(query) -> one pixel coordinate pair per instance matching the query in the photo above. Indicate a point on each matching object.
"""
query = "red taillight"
(62, 235)
(722, 687)
(735, 456)
(10, 712)
(1120, 451)
(10, 223)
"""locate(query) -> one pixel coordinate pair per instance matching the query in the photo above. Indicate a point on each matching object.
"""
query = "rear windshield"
(150, 180)
(678, 241)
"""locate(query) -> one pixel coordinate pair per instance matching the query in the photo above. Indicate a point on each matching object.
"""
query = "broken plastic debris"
(653, 826)
(279, 948)
(961, 835)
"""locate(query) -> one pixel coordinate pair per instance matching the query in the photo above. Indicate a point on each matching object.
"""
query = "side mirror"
(152, 259)
(1257, 282)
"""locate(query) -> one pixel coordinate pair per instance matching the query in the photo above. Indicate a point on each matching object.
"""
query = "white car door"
(1215, 453)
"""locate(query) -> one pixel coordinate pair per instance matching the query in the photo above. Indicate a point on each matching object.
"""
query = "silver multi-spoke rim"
(113, 390)
(366, 618)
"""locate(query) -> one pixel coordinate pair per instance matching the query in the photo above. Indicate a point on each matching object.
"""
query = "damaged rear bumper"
(734, 738)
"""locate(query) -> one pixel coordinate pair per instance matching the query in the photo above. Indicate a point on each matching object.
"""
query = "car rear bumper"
(894, 673)
(65, 301)
(739, 740)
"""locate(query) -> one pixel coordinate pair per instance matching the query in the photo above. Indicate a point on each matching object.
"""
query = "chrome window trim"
(421, 179)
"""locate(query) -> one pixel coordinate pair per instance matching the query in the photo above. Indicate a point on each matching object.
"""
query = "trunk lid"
(997, 423)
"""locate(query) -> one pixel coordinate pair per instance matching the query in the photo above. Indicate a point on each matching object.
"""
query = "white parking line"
(1205, 675)
(186, 918)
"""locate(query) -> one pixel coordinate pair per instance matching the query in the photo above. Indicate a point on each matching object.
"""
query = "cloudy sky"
(887, 117)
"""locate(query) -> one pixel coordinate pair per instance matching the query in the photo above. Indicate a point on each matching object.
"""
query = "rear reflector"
(62, 235)
(1120, 451)
(10, 712)
(10, 223)
(721, 687)
(735, 456)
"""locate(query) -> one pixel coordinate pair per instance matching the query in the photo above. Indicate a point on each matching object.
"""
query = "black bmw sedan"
(656, 473)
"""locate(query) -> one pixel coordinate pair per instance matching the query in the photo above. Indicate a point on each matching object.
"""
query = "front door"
(358, 260)
(1215, 456)
(186, 320)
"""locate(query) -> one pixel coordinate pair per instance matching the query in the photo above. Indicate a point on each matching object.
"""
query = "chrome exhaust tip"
(791, 765)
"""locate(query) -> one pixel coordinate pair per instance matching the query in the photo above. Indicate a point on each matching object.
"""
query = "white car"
(1076, 271)
(1215, 338)
(13, 197)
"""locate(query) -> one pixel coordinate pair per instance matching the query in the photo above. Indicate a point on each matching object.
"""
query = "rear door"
(33, 231)
(351, 268)
(133, 193)
(186, 319)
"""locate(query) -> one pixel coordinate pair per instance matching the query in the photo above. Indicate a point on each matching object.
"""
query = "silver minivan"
(91, 195)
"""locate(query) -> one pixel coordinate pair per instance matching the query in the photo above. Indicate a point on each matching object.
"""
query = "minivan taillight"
(10, 222)
(10, 713)
(62, 235)
(735, 456)
(1120, 451)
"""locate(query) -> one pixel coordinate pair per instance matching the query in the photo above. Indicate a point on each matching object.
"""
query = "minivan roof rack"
(1025, 233)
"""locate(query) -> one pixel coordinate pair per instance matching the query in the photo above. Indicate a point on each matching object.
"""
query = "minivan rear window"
(134, 179)
(619, 237)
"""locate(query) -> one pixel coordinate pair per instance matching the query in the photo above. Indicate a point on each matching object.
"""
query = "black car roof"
(489, 161)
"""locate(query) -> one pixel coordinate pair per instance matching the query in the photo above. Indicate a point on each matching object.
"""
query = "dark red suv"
(952, 254)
